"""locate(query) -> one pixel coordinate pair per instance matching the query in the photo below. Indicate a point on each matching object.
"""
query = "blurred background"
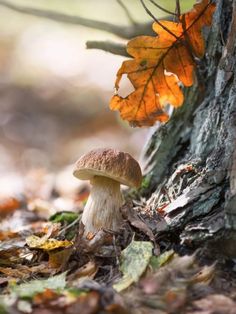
(54, 93)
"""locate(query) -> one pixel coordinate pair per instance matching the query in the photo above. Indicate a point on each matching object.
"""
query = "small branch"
(108, 46)
(127, 13)
(126, 32)
(156, 20)
(161, 8)
(62, 231)
(177, 9)
(60, 17)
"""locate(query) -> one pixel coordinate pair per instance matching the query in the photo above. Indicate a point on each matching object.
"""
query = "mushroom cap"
(109, 163)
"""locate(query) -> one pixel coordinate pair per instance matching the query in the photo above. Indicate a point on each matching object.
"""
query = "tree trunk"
(190, 162)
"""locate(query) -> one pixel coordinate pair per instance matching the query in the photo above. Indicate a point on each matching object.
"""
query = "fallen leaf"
(129, 214)
(59, 259)
(21, 271)
(212, 304)
(182, 263)
(205, 275)
(47, 244)
(175, 300)
(170, 287)
(160, 63)
(116, 309)
(167, 275)
(8, 205)
(134, 261)
(7, 234)
(110, 301)
(12, 253)
(43, 297)
(86, 304)
(29, 289)
(88, 270)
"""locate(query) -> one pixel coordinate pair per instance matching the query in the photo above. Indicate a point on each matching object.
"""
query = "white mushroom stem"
(102, 208)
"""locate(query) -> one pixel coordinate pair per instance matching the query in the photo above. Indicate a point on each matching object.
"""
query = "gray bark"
(191, 160)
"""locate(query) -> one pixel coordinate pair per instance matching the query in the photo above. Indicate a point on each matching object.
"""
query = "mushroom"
(106, 169)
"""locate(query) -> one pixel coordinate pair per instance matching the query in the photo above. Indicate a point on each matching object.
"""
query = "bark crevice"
(201, 136)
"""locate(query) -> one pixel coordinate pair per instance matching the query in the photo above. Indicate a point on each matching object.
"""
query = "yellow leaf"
(47, 244)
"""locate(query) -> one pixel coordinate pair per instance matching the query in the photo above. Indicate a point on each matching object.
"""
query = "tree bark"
(190, 162)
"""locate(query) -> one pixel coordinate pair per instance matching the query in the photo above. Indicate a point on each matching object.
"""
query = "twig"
(156, 20)
(129, 16)
(161, 8)
(108, 46)
(61, 17)
(121, 31)
(69, 226)
(177, 9)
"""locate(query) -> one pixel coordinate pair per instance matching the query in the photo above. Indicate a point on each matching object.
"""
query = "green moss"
(64, 217)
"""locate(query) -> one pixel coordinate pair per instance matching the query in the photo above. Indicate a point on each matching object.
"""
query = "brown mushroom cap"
(109, 163)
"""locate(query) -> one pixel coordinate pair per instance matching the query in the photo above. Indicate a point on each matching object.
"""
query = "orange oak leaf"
(159, 64)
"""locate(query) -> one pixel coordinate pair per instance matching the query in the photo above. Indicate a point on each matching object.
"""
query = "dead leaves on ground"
(160, 63)
(47, 267)
(164, 287)
(47, 244)
(134, 261)
(54, 295)
(168, 287)
(216, 303)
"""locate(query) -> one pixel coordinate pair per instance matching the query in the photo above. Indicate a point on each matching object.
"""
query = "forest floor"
(47, 266)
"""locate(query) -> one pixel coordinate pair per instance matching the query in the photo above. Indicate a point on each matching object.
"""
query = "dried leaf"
(175, 300)
(59, 259)
(88, 270)
(86, 304)
(47, 244)
(167, 274)
(45, 296)
(213, 304)
(205, 275)
(134, 261)
(8, 205)
(159, 64)
(129, 214)
(170, 287)
(7, 234)
(182, 263)
(21, 271)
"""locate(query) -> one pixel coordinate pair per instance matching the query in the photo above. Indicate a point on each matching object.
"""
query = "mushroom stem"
(102, 208)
